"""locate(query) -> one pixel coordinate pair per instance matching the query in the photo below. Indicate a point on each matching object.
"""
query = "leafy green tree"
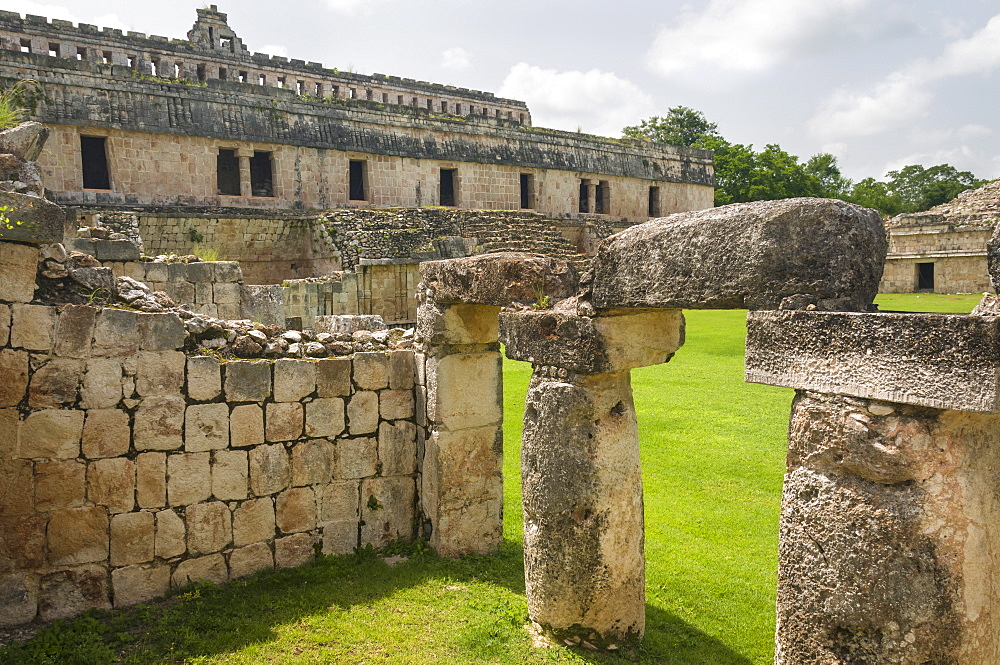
(681, 126)
(832, 184)
(877, 195)
(920, 189)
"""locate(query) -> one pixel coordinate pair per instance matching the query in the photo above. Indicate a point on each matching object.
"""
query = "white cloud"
(594, 101)
(350, 7)
(977, 54)
(456, 58)
(747, 35)
(64, 13)
(274, 49)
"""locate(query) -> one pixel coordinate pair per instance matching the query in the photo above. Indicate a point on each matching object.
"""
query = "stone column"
(580, 470)
(244, 155)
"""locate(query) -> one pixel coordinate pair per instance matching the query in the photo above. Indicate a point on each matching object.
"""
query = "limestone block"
(209, 527)
(397, 448)
(14, 369)
(325, 417)
(171, 535)
(339, 501)
(362, 412)
(180, 292)
(33, 327)
(229, 475)
(401, 370)
(295, 510)
(293, 550)
(228, 272)
(155, 272)
(992, 257)
(18, 597)
(457, 324)
(387, 510)
(189, 478)
(284, 421)
(25, 141)
(66, 593)
(77, 535)
(52, 433)
(371, 371)
(58, 485)
(206, 427)
(204, 378)
(498, 279)
(203, 271)
(106, 433)
(161, 332)
(333, 377)
(102, 384)
(340, 537)
(160, 373)
(249, 560)
(4, 324)
(15, 475)
(55, 383)
(592, 345)
(313, 462)
(270, 471)
(159, 424)
(139, 584)
(943, 361)
(151, 480)
(132, 538)
(357, 458)
(116, 333)
(22, 542)
(246, 425)
(18, 264)
(74, 331)
(253, 521)
(248, 381)
(293, 379)
(462, 390)
(111, 483)
(211, 568)
(203, 293)
(226, 294)
(395, 404)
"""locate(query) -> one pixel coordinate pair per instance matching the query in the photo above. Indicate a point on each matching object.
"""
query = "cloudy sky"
(879, 83)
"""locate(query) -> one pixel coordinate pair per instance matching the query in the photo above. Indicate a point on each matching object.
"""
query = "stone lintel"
(944, 361)
(592, 345)
(498, 279)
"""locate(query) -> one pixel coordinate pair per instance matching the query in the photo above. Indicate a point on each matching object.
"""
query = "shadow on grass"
(208, 621)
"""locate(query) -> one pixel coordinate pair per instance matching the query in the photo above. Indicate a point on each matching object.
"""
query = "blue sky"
(879, 83)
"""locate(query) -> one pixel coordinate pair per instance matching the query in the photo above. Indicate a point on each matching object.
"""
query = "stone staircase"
(525, 234)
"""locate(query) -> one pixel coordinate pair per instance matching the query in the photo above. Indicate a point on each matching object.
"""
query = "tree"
(920, 189)
(681, 126)
(832, 184)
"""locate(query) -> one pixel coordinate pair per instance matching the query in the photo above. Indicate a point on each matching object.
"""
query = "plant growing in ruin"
(17, 100)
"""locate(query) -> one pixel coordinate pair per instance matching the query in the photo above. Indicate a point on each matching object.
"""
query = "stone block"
(270, 471)
(18, 598)
(116, 333)
(294, 550)
(248, 381)
(387, 510)
(340, 537)
(55, 383)
(204, 378)
(77, 535)
(111, 483)
(249, 560)
(151, 480)
(25, 142)
(211, 568)
(52, 433)
(293, 379)
(106, 433)
(228, 311)
(498, 279)
(160, 373)
(338, 501)
(33, 327)
(253, 522)
(209, 527)
(246, 425)
(155, 272)
(58, 485)
(229, 475)
(944, 361)
(226, 294)
(132, 538)
(181, 292)
(203, 271)
(348, 323)
(462, 390)
(139, 584)
(325, 417)
(395, 404)
(397, 448)
(189, 478)
(206, 427)
(14, 369)
(457, 324)
(18, 264)
(313, 462)
(295, 510)
(745, 255)
(159, 423)
(102, 384)
(15, 476)
(333, 377)
(161, 332)
(203, 293)
(66, 593)
(401, 370)
(22, 542)
(74, 331)
(228, 272)
(104, 250)
(171, 535)
(284, 421)
(362, 412)
(371, 371)
(356, 458)
(4, 324)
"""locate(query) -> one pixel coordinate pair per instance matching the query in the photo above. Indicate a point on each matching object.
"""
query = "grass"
(713, 457)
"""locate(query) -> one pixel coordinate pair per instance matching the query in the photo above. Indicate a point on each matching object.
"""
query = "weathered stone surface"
(248, 381)
(132, 538)
(209, 527)
(457, 324)
(401, 370)
(253, 521)
(246, 425)
(371, 371)
(211, 568)
(33, 328)
(333, 377)
(4, 324)
(51, 433)
(18, 598)
(462, 390)
(293, 550)
(151, 480)
(22, 541)
(313, 462)
(325, 417)
(387, 510)
(161, 332)
(116, 333)
(745, 255)
(284, 421)
(249, 560)
(58, 485)
(498, 279)
(295, 510)
(55, 383)
(171, 535)
(204, 378)
(15, 475)
(397, 448)
(229, 475)
(338, 501)
(106, 433)
(111, 483)
(25, 141)
(32, 219)
(18, 264)
(77, 535)
(396, 404)
(102, 384)
(940, 360)
(348, 323)
(340, 537)
(160, 373)
(206, 427)
(138, 584)
(993, 258)
(270, 471)
(159, 423)
(74, 331)
(14, 369)
(189, 478)
(66, 593)
(293, 379)
(356, 458)
(362, 412)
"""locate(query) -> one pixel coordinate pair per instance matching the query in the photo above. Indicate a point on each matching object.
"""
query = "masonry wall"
(958, 252)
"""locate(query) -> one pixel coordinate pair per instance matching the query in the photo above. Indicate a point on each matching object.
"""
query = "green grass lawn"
(713, 456)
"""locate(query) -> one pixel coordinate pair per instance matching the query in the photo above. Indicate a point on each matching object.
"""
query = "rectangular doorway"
(925, 277)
